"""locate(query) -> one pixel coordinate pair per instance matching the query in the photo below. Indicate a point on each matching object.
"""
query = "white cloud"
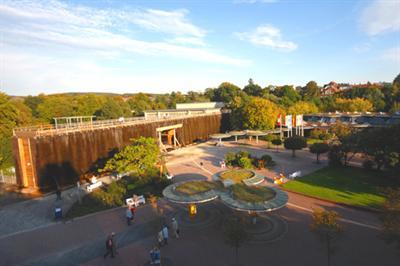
(49, 43)
(392, 55)
(172, 22)
(381, 16)
(269, 36)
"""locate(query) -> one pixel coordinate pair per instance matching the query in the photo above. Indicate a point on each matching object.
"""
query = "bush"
(277, 142)
(230, 159)
(113, 195)
(295, 143)
(268, 162)
(245, 163)
(320, 134)
(335, 156)
(368, 164)
(242, 154)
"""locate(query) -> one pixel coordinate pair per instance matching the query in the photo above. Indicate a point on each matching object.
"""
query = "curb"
(360, 208)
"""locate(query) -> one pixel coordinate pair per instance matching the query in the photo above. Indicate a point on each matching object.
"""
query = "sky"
(54, 46)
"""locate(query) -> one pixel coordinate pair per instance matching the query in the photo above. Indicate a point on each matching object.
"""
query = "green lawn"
(236, 175)
(353, 186)
(195, 187)
(252, 194)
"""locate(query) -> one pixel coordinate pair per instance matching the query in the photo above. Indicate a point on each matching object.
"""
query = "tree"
(302, 108)
(55, 106)
(325, 225)
(235, 235)
(295, 143)
(288, 95)
(277, 142)
(372, 93)
(310, 91)
(391, 216)
(113, 108)
(226, 92)
(138, 158)
(253, 89)
(319, 148)
(259, 114)
(353, 105)
(139, 103)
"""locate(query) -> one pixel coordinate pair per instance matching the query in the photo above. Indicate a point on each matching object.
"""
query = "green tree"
(226, 92)
(295, 143)
(259, 114)
(138, 158)
(325, 225)
(235, 235)
(310, 91)
(114, 107)
(253, 89)
(319, 148)
(277, 142)
(372, 93)
(139, 103)
(287, 94)
(55, 106)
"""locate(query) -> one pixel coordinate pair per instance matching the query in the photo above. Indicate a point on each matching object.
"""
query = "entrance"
(167, 137)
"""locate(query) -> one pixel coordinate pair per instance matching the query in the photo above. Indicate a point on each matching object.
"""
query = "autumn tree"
(295, 143)
(259, 114)
(319, 148)
(302, 108)
(353, 105)
(325, 225)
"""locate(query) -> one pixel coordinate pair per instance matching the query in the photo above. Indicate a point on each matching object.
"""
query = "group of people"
(163, 233)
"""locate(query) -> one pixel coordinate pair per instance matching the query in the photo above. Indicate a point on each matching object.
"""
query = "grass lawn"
(252, 194)
(312, 141)
(350, 185)
(195, 187)
(236, 175)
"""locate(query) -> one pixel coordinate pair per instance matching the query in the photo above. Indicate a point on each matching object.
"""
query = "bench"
(92, 186)
(255, 180)
(135, 201)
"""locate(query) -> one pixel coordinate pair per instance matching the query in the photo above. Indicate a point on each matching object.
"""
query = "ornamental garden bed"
(236, 175)
(252, 194)
(195, 187)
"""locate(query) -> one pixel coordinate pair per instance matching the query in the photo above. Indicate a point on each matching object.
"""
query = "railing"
(46, 130)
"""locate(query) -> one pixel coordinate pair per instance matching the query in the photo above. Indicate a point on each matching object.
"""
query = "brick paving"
(82, 241)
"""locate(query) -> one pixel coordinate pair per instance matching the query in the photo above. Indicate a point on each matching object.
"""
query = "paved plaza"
(82, 241)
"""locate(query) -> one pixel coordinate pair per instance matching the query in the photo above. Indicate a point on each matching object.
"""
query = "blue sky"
(160, 46)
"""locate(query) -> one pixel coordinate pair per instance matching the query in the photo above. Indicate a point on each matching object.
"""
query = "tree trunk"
(317, 157)
(293, 153)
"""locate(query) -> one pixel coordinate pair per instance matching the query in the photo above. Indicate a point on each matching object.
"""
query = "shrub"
(277, 142)
(335, 156)
(320, 134)
(242, 154)
(113, 195)
(230, 159)
(268, 162)
(245, 162)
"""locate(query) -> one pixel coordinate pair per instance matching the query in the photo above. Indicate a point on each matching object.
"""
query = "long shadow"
(55, 176)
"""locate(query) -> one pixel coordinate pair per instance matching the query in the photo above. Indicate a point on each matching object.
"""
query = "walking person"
(155, 256)
(165, 234)
(129, 216)
(113, 245)
(175, 227)
(109, 248)
(160, 238)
